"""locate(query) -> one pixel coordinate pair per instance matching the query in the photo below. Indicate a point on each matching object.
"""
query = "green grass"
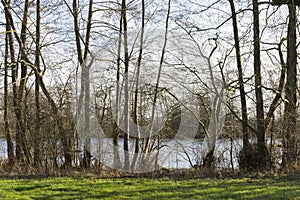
(92, 188)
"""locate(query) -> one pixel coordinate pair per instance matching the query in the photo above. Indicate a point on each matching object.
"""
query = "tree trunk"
(240, 79)
(10, 150)
(87, 143)
(147, 149)
(290, 110)
(85, 78)
(135, 110)
(87, 151)
(126, 75)
(37, 138)
(80, 60)
(260, 124)
(19, 104)
(117, 162)
(148, 141)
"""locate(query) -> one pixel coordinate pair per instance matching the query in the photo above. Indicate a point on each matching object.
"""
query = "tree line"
(142, 71)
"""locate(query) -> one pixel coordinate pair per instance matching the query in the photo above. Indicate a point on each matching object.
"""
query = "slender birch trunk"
(135, 108)
(126, 75)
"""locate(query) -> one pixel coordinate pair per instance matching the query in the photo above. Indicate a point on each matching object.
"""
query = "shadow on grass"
(283, 187)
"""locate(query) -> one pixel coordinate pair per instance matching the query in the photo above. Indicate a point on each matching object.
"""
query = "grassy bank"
(283, 187)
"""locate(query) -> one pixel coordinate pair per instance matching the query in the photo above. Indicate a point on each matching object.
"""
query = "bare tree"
(137, 79)
(156, 89)
(37, 137)
(126, 74)
(116, 152)
(22, 151)
(290, 111)
(63, 134)
(10, 150)
(240, 79)
(260, 121)
(85, 75)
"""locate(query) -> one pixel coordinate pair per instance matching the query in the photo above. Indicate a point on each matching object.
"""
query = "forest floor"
(264, 187)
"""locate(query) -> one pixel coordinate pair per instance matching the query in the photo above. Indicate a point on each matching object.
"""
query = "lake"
(176, 154)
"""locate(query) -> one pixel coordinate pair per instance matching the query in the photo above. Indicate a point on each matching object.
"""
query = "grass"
(281, 187)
